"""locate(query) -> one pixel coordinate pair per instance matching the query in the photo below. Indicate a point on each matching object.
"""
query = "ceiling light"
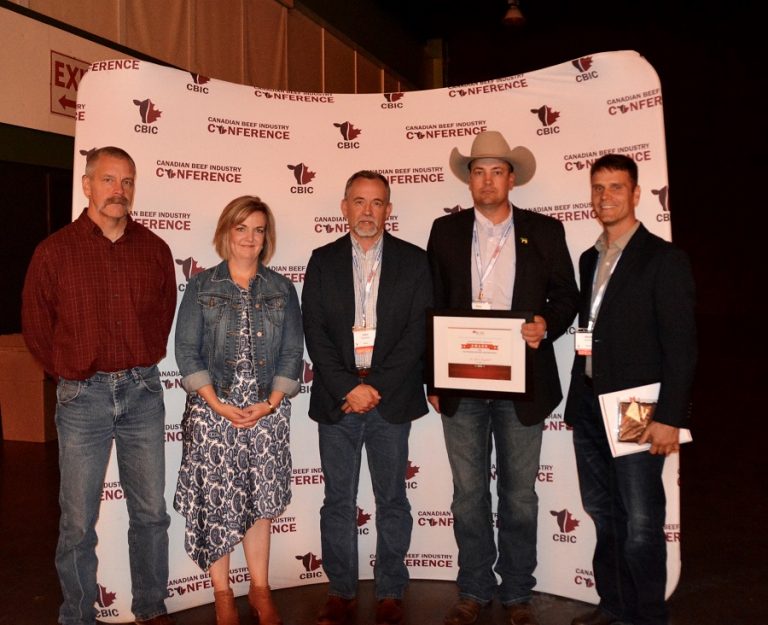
(514, 16)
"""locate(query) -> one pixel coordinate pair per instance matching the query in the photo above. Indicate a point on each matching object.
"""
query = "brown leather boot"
(226, 610)
(263, 608)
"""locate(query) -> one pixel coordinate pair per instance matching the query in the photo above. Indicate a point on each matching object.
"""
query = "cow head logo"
(307, 373)
(301, 173)
(583, 64)
(565, 520)
(310, 561)
(189, 267)
(546, 115)
(348, 131)
(105, 598)
(663, 195)
(199, 79)
(149, 113)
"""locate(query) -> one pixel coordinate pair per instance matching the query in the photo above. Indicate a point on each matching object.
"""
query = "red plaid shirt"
(93, 305)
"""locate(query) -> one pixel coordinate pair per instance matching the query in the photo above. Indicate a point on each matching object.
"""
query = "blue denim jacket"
(207, 330)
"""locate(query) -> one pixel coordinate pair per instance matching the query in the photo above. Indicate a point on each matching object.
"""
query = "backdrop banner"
(198, 143)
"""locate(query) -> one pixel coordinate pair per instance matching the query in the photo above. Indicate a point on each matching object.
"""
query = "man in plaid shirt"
(98, 304)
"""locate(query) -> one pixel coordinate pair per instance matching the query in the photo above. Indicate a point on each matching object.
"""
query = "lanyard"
(482, 275)
(366, 290)
(598, 300)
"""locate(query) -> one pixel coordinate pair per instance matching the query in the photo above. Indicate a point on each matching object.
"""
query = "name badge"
(364, 338)
(582, 342)
(481, 304)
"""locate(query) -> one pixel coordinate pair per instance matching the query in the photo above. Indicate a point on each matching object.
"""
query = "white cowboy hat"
(491, 144)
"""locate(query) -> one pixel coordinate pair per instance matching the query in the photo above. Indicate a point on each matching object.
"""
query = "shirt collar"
(358, 249)
(619, 243)
(486, 224)
(88, 225)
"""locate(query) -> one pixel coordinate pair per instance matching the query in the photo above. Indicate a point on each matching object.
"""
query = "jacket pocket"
(274, 306)
(212, 306)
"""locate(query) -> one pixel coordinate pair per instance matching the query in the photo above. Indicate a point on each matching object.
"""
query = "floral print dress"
(231, 477)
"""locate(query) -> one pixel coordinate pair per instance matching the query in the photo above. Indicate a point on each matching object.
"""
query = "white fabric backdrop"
(199, 143)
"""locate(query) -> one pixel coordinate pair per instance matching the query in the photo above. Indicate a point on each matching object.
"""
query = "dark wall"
(710, 62)
(36, 182)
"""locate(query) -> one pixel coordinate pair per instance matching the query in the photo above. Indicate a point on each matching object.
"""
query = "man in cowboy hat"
(500, 257)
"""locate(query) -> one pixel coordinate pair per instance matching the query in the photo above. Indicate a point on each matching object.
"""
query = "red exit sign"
(66, 74)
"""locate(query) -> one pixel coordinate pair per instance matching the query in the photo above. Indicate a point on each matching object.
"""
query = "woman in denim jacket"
(239, 347)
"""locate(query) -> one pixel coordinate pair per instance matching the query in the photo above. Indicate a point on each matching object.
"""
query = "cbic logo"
(105, 599)
(584, 65)
(567, 524)
(311, 564)
(410, 472)
(189, 268)
(149, 115)
(198, 80)
(362, 518)
(663, 195)
(349, 133)
(303, 177)
(307, 375)
(393, 100)
(547, 117)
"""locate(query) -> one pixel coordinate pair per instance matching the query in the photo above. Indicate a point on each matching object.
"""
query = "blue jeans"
(386, 445)
(127, 406)
(468, 438)
(625, 498)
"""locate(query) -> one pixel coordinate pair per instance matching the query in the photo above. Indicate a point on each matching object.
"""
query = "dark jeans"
(625, 498)
(386, 445)
(468, 442)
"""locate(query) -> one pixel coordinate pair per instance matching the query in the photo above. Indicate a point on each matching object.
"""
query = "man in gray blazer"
(637, 310)
(364, 302)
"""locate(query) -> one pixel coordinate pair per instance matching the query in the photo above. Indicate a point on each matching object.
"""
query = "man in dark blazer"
(364, 302)
(637, 310)
(498, 256)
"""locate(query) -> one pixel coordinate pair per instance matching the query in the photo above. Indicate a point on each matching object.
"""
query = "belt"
(362, 372)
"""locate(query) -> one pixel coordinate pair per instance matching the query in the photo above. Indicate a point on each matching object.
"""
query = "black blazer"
(645, 331)
(544, 285)
(328, 305)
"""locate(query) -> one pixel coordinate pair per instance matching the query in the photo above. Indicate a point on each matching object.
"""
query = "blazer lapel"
(465, 258)
(387, 296)
(345, 283)
(587, 266)
(521, 235)
(624, 269)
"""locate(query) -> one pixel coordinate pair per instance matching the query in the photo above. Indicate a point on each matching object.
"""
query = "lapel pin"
(524, 240)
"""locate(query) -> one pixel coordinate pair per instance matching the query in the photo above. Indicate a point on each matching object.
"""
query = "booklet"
(610, 407)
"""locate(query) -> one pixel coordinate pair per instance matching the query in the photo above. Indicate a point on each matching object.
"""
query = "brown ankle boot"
(263, 608)
(226, 610)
